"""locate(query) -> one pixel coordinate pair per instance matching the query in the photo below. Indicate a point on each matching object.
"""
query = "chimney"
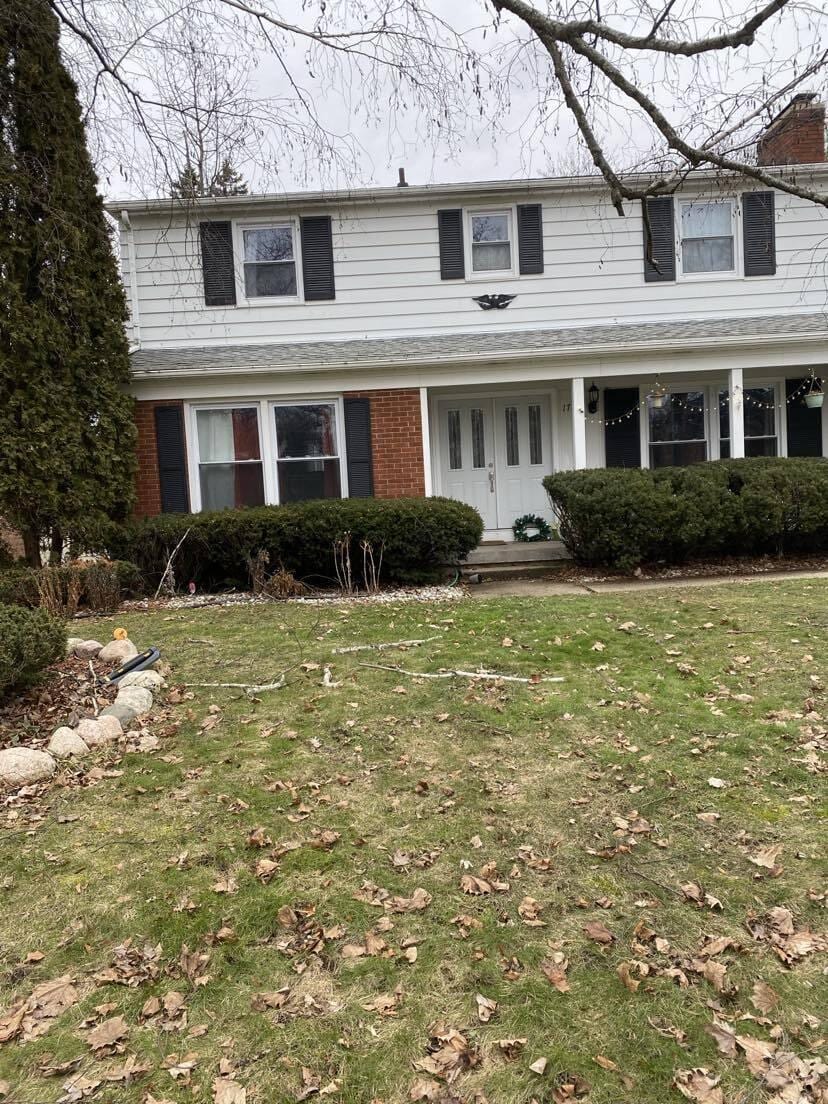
(401, 182)
(796, 136)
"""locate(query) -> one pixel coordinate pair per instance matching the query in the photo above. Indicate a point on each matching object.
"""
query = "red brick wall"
(148, 496)
(396, 442)
(796, 137)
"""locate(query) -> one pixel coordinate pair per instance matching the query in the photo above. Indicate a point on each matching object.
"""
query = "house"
(468, 339)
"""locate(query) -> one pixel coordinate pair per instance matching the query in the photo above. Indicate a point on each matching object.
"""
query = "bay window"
(759, 418)
(229, 457)
(308, 460)
(677, 429)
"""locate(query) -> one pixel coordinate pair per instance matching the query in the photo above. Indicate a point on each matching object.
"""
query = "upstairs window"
(269, 261)
(491, 241)
(707, 239)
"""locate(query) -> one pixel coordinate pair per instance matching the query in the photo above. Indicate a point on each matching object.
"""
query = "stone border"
(22, 766)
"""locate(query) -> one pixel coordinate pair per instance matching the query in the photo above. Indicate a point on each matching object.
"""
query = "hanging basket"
(532, 527)
(813, 400)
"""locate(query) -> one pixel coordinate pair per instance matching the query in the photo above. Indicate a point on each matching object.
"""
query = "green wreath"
(532, 521)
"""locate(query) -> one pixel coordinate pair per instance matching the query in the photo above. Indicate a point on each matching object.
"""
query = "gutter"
(135, 312)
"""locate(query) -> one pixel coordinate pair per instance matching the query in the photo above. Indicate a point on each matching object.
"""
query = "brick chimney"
(796, 136)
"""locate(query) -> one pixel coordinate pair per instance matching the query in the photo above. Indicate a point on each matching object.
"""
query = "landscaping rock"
(137, 697)
(65, 743)
(91, 732)
(72, 643)
(110, 726)
(87, 649)
(118, 651)
(121, 711)
(22, 766)
(148, 680)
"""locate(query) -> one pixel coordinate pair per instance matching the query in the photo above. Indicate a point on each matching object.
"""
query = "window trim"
(707, 440)
(735, 215)
(778, 418)
(511, 273)
(242, 298)
(267, 439)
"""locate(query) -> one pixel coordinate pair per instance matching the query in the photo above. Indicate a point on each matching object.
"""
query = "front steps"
(513, 559)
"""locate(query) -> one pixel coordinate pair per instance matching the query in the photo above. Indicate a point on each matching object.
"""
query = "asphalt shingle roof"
(485, 344)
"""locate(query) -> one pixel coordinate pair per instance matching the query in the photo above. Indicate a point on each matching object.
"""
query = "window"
(229, 458)
(308, 462)
(760, 422)
(512, 443)
(491, 248)
(269, 261)
(708, 243)
(454, 441)
(677, 430)
(535, 435)
(478, 439)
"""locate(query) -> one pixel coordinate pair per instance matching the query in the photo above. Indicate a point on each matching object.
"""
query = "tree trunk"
(31, 547)
(56, 547)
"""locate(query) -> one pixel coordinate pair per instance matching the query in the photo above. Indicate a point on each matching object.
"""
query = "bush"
(29, 641)
(416, 535)
(620, 518)
(94, 584)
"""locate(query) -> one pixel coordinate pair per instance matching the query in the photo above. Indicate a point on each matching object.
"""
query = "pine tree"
(228, 181)
(188, 185)
(67, 433)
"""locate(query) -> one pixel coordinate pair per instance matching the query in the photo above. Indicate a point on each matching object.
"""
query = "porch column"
(579, 454)
(737, 413)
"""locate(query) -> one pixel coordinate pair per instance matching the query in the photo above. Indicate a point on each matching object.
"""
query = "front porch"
(491, 445)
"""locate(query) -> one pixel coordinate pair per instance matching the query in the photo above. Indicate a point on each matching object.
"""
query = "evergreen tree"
(67, 433)
(188, 185)
(228, 181)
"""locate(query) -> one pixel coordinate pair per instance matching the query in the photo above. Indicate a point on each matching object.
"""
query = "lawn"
(391, 888)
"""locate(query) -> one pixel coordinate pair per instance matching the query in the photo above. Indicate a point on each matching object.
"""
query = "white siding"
(388, 281)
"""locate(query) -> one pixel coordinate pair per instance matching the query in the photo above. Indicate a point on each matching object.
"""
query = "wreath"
(532, 521)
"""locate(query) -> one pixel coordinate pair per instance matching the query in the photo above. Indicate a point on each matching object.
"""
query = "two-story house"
(468, 339)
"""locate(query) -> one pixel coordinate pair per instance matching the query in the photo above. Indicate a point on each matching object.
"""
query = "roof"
(479, 345)
(480, 189)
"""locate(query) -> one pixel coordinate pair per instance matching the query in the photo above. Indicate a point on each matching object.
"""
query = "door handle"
(491, 477)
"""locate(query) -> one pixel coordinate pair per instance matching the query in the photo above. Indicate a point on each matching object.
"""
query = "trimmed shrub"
(417, 536)
(29, 641)
(616, 517)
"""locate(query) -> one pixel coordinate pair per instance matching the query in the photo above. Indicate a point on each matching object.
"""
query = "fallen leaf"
(724, 1036)
(555, 970)
(766, 859)
(717, 784)
(763, 998)
(598, 932)
(629, 981)
(697, 1085)
(539, 1066)
(485, 1008)
(226, 1091)
(108, 1034)
(604, 1063)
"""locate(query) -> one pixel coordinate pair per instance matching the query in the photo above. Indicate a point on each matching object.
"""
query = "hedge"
(616, 517)
(416, 535)
(29, 641)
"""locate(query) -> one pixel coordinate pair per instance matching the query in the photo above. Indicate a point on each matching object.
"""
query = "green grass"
(394, 763)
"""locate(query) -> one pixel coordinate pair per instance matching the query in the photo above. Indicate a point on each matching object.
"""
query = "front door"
(494, 454)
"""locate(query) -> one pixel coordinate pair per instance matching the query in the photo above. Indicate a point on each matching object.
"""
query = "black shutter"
(450, 230)
(217, 263)
(317, 258)
(659, 239)
(358, 448)
(804, 424)
(759, 233)
(172, 459)
(622, 440)
(530, 238)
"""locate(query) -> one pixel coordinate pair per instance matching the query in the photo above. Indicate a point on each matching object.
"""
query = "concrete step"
(491, 572)
(514, 553)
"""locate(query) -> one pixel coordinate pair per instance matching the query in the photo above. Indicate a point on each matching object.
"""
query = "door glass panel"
(535, 436)
(454, 443)
(478, 440)
(512, 445)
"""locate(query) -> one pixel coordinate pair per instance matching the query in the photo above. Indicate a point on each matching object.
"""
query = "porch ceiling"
(484, 344)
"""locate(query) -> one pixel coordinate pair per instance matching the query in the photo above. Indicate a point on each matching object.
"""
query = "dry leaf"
(485, 1008)
(539, 1066)
(697, 1085)
(604, 1063)
(555, 970)
(724, 1037)
(763, 998)
(629, 981)
(766, 858)
(529, 911)
(108, 1034)
(599, 932)
(226, 1091)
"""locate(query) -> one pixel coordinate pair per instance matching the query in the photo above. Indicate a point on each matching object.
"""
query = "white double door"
(494, 453)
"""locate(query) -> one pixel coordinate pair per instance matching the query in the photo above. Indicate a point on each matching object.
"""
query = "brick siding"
(396, 442)
(796, 137)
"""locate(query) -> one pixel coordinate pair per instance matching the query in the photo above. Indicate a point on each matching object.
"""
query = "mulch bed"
(65, 694)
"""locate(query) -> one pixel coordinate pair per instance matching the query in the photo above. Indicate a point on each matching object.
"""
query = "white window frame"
(727, 274)
(779, 416)
(491, 274)
(267, 439)
(242, 297)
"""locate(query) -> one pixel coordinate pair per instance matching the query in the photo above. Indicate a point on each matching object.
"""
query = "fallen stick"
(478, 675)
(248, 687)
(382, 647)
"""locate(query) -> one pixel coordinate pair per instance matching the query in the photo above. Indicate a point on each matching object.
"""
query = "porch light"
(593, 394)
(658, 396)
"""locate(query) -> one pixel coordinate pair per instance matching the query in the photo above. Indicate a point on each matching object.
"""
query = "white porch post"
(579, 454)
(428, 479)
(737, 413)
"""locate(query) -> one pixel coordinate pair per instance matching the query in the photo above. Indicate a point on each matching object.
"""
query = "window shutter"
(660, 240)
(317, 258)
(530, 238)
(172, 459)
(217, 263)
(804, 424)
(450, 229)
(622, 440)
(358, 448)
(759, 233)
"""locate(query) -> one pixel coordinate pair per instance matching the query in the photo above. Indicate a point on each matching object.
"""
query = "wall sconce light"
(592, 405)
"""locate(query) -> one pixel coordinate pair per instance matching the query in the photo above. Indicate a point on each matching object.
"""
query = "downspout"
(134, 311)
